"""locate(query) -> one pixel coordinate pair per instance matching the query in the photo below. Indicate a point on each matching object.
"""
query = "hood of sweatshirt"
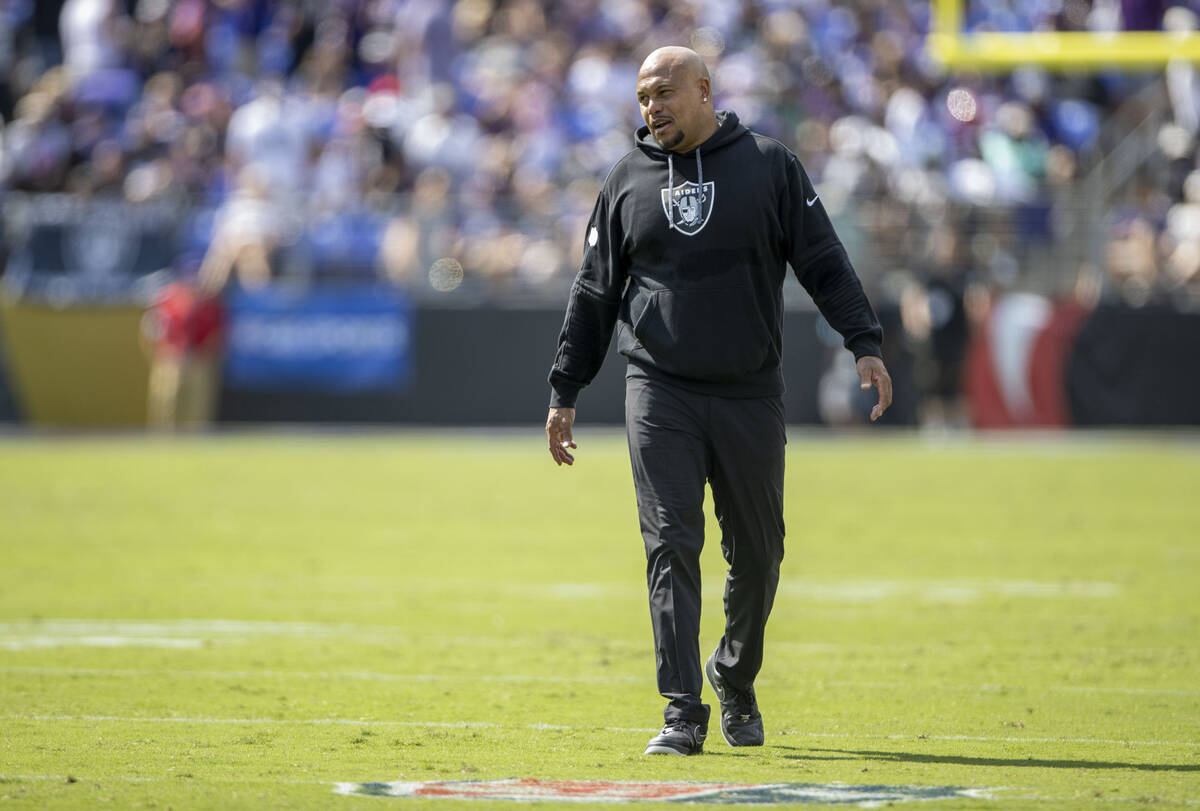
(729, 129)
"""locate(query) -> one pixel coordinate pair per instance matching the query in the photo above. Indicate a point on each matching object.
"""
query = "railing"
(63, 247)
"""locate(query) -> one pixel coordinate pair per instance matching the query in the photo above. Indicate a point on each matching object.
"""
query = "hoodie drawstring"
(671, 186)
(670, 192)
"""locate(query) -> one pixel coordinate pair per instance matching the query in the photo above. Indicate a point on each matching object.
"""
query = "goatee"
(674, 142)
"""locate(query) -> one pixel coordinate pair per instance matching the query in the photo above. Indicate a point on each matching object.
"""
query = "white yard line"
(838, 590)
(223, 629)
(275, 721)
(318, 674)
(1003, 739)
(97, 641)
(1133, 691)
(75, 778)
(996, 688)
(564, 727)
(518, 678)
(941, 591)
(192, 633)
(174, 778)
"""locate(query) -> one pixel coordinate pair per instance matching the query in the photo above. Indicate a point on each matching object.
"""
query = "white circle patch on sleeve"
(593, 236)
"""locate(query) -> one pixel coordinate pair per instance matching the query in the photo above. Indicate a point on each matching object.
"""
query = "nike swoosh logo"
(815, 197)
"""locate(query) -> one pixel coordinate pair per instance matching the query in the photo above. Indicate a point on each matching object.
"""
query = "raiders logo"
(689, 206)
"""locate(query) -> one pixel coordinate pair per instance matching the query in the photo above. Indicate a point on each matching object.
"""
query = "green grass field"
(245, 621)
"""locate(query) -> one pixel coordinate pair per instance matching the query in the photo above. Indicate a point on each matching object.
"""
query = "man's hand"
(558, 431)
(872, 372)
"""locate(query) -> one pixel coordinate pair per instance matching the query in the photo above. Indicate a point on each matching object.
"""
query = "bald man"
(686, 255)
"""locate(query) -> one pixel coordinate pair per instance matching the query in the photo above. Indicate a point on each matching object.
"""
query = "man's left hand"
(872, 372)
(558, 431)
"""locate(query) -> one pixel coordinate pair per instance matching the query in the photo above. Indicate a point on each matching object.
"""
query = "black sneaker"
(679, 738)
(741, 722)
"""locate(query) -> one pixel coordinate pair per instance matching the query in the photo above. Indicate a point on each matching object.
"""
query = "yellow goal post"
(1003, 51)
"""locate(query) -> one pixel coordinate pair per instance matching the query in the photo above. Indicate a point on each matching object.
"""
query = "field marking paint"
(519, 678)
(18, 635)
(998, 688)
(318, 674)
(990, 739)
(183, 626)
(853, 591)
(532, 790)
(942, 591)
(1133, 691)
(281, 721)
(173, 778)
(564, 727)
(83, 778)
(75, 628)
(77, 779)
(42, 642)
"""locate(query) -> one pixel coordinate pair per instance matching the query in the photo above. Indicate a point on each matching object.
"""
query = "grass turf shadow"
(1041, 763)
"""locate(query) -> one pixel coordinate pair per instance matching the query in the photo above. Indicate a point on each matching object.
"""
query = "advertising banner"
(338, 339)
(76, 367)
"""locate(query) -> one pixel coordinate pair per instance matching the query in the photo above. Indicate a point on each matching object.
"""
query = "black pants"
(678, 440)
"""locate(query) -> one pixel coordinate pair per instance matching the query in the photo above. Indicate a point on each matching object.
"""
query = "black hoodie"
(694, 277)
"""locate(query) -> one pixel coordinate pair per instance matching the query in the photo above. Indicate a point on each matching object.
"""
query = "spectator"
(183, 332)
(473, 131)
(246, 234)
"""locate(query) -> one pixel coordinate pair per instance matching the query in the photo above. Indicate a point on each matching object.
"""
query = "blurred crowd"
(456, 146)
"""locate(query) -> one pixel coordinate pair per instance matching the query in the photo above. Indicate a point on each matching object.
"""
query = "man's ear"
(705, 90)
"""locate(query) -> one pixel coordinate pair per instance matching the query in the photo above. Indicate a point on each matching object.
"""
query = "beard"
(672, 141)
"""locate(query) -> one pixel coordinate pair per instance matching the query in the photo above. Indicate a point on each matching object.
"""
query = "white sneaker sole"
(663, 750)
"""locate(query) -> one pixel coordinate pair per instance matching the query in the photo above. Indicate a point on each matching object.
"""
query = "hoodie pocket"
(708, 334)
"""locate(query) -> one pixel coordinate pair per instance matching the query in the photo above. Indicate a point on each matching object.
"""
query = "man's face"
(672, 101)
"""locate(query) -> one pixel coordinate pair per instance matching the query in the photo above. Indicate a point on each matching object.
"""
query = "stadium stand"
(372, 138)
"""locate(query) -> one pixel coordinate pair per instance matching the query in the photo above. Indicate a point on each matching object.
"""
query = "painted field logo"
(527, 790)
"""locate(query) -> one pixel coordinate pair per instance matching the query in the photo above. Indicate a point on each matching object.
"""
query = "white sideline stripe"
(942, 591)
(856, 590)
(490, 725)
(107, 641)
(318, 674)
(846, 590)
(163, 779)
(281, 721)
(989, 739)
(523, 678)
(85, 626)
(72, 630)
(79, 779)
(1133, 691)
(996, 688)
(1041, 798)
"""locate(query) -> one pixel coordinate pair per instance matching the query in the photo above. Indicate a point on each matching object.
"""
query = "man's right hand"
(558, 431)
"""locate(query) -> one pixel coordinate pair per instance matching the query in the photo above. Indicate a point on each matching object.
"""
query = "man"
(183, 332)
(686, 253)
